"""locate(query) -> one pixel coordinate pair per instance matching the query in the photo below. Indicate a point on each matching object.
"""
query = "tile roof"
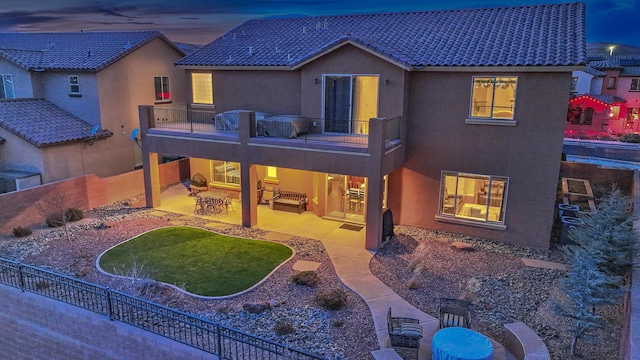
(544, 35)
(591, 71)
(42, 123)
(629, 65)
(89, 51)
(607, 99)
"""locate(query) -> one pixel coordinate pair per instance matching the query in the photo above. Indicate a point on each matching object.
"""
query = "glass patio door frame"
(329, 123)
(339, 207)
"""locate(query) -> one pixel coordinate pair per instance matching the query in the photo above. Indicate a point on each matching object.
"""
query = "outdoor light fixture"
(386, 82)
(315, 81)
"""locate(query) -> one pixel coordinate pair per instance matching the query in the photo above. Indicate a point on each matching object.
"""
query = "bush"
(284, 328)
(333, 299)
(74, 214)
(308, 278)
(630, 138)
(55, 220)
(21, 232)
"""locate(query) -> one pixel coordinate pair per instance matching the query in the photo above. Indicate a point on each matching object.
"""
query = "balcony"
(285, 130)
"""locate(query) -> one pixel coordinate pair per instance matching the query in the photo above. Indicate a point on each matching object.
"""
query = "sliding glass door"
(349, 102)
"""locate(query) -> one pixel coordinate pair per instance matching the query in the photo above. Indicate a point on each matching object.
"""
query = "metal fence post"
(21, 277)
(109, 310)
(219, 341)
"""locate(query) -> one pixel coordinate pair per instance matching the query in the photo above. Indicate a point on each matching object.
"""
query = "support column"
(151, 172)
(377, 135)
(248, 186)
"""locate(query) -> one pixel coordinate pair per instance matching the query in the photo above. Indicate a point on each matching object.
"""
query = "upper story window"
(635, 84)
(162, 90)
(6, 87)
(611, 82)
(74, 84)
(202, 88)
(493, 98)
(478, 198)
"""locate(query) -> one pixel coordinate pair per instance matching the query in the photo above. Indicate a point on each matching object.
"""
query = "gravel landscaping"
(418, 264)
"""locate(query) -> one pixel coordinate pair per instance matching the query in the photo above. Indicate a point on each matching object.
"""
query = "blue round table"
(456, 343)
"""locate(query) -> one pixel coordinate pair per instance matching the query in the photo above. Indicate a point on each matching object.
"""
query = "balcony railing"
(292, 127)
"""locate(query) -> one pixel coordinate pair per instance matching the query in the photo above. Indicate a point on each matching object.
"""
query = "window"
(74, 85)
(6, 87)
(611, 83)
(635, 84)
(478, 198)
(163, 92)
(202, 88)
(225, 172)
(493, 97)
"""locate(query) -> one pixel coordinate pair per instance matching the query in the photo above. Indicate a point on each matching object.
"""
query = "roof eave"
(517, 68)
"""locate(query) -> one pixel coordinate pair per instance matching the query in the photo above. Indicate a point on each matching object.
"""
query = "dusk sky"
(201, 21)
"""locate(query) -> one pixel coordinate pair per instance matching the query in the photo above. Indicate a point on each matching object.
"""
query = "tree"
(604, 253)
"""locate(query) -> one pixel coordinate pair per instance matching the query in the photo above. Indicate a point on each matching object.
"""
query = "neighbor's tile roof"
(89, 51)
(629, 65)
(551, 35)
(591, 71)
(42, 123)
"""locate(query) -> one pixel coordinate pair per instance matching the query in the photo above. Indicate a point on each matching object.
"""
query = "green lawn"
(202, 262)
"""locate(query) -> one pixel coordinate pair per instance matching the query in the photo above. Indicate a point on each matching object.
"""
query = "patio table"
(212, 201)
(457, 343)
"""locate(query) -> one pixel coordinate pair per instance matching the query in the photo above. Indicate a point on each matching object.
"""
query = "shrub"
(284, 328)
(630, 138)
(74, 214)
(55, 220)
(332, 299)
(21, 232)
(308, 278)
(337, 322)
(414, 283)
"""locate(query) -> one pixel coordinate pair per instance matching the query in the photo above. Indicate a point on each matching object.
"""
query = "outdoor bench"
(289, 201)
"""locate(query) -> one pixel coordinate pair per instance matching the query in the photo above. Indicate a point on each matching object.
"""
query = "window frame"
(73, 84)
(490, 120)
(637, 87)
(4, 80)
(466, 220)
(193, 97)
(612, 82)
(163, 89)
(225, 183)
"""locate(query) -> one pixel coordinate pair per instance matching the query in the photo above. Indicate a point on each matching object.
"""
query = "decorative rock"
(256, 308)
(462, 246)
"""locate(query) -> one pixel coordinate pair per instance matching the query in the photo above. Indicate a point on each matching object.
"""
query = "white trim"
(490, 121)
(486, 225)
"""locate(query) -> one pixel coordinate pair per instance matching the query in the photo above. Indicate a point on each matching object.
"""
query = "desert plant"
(283, 328)
(630, 138)
(418, 258)
(21, 231)
(55, 220)
(337, 322)
(414, 283)
(333, 299)
(308, 278)
(74, 214)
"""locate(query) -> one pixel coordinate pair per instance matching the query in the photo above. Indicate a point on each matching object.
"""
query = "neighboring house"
(452, 119)
(86, 79)
(606, 97)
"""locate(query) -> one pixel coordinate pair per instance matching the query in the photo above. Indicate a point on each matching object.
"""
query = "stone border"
(293, 254)
(524, 343)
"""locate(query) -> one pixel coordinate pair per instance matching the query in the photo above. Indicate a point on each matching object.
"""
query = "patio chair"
(454, 312)
(404, 332)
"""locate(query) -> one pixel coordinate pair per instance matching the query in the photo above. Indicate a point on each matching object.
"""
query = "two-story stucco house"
(606, 96)
(452, 119)
(56, 87)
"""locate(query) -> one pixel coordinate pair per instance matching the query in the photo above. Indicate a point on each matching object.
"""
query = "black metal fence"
(199, 333)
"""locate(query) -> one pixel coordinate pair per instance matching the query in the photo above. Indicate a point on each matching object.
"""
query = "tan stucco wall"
(528, 154)
(128, 83)
(17, 154)
(276, 92)
(55, 86)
